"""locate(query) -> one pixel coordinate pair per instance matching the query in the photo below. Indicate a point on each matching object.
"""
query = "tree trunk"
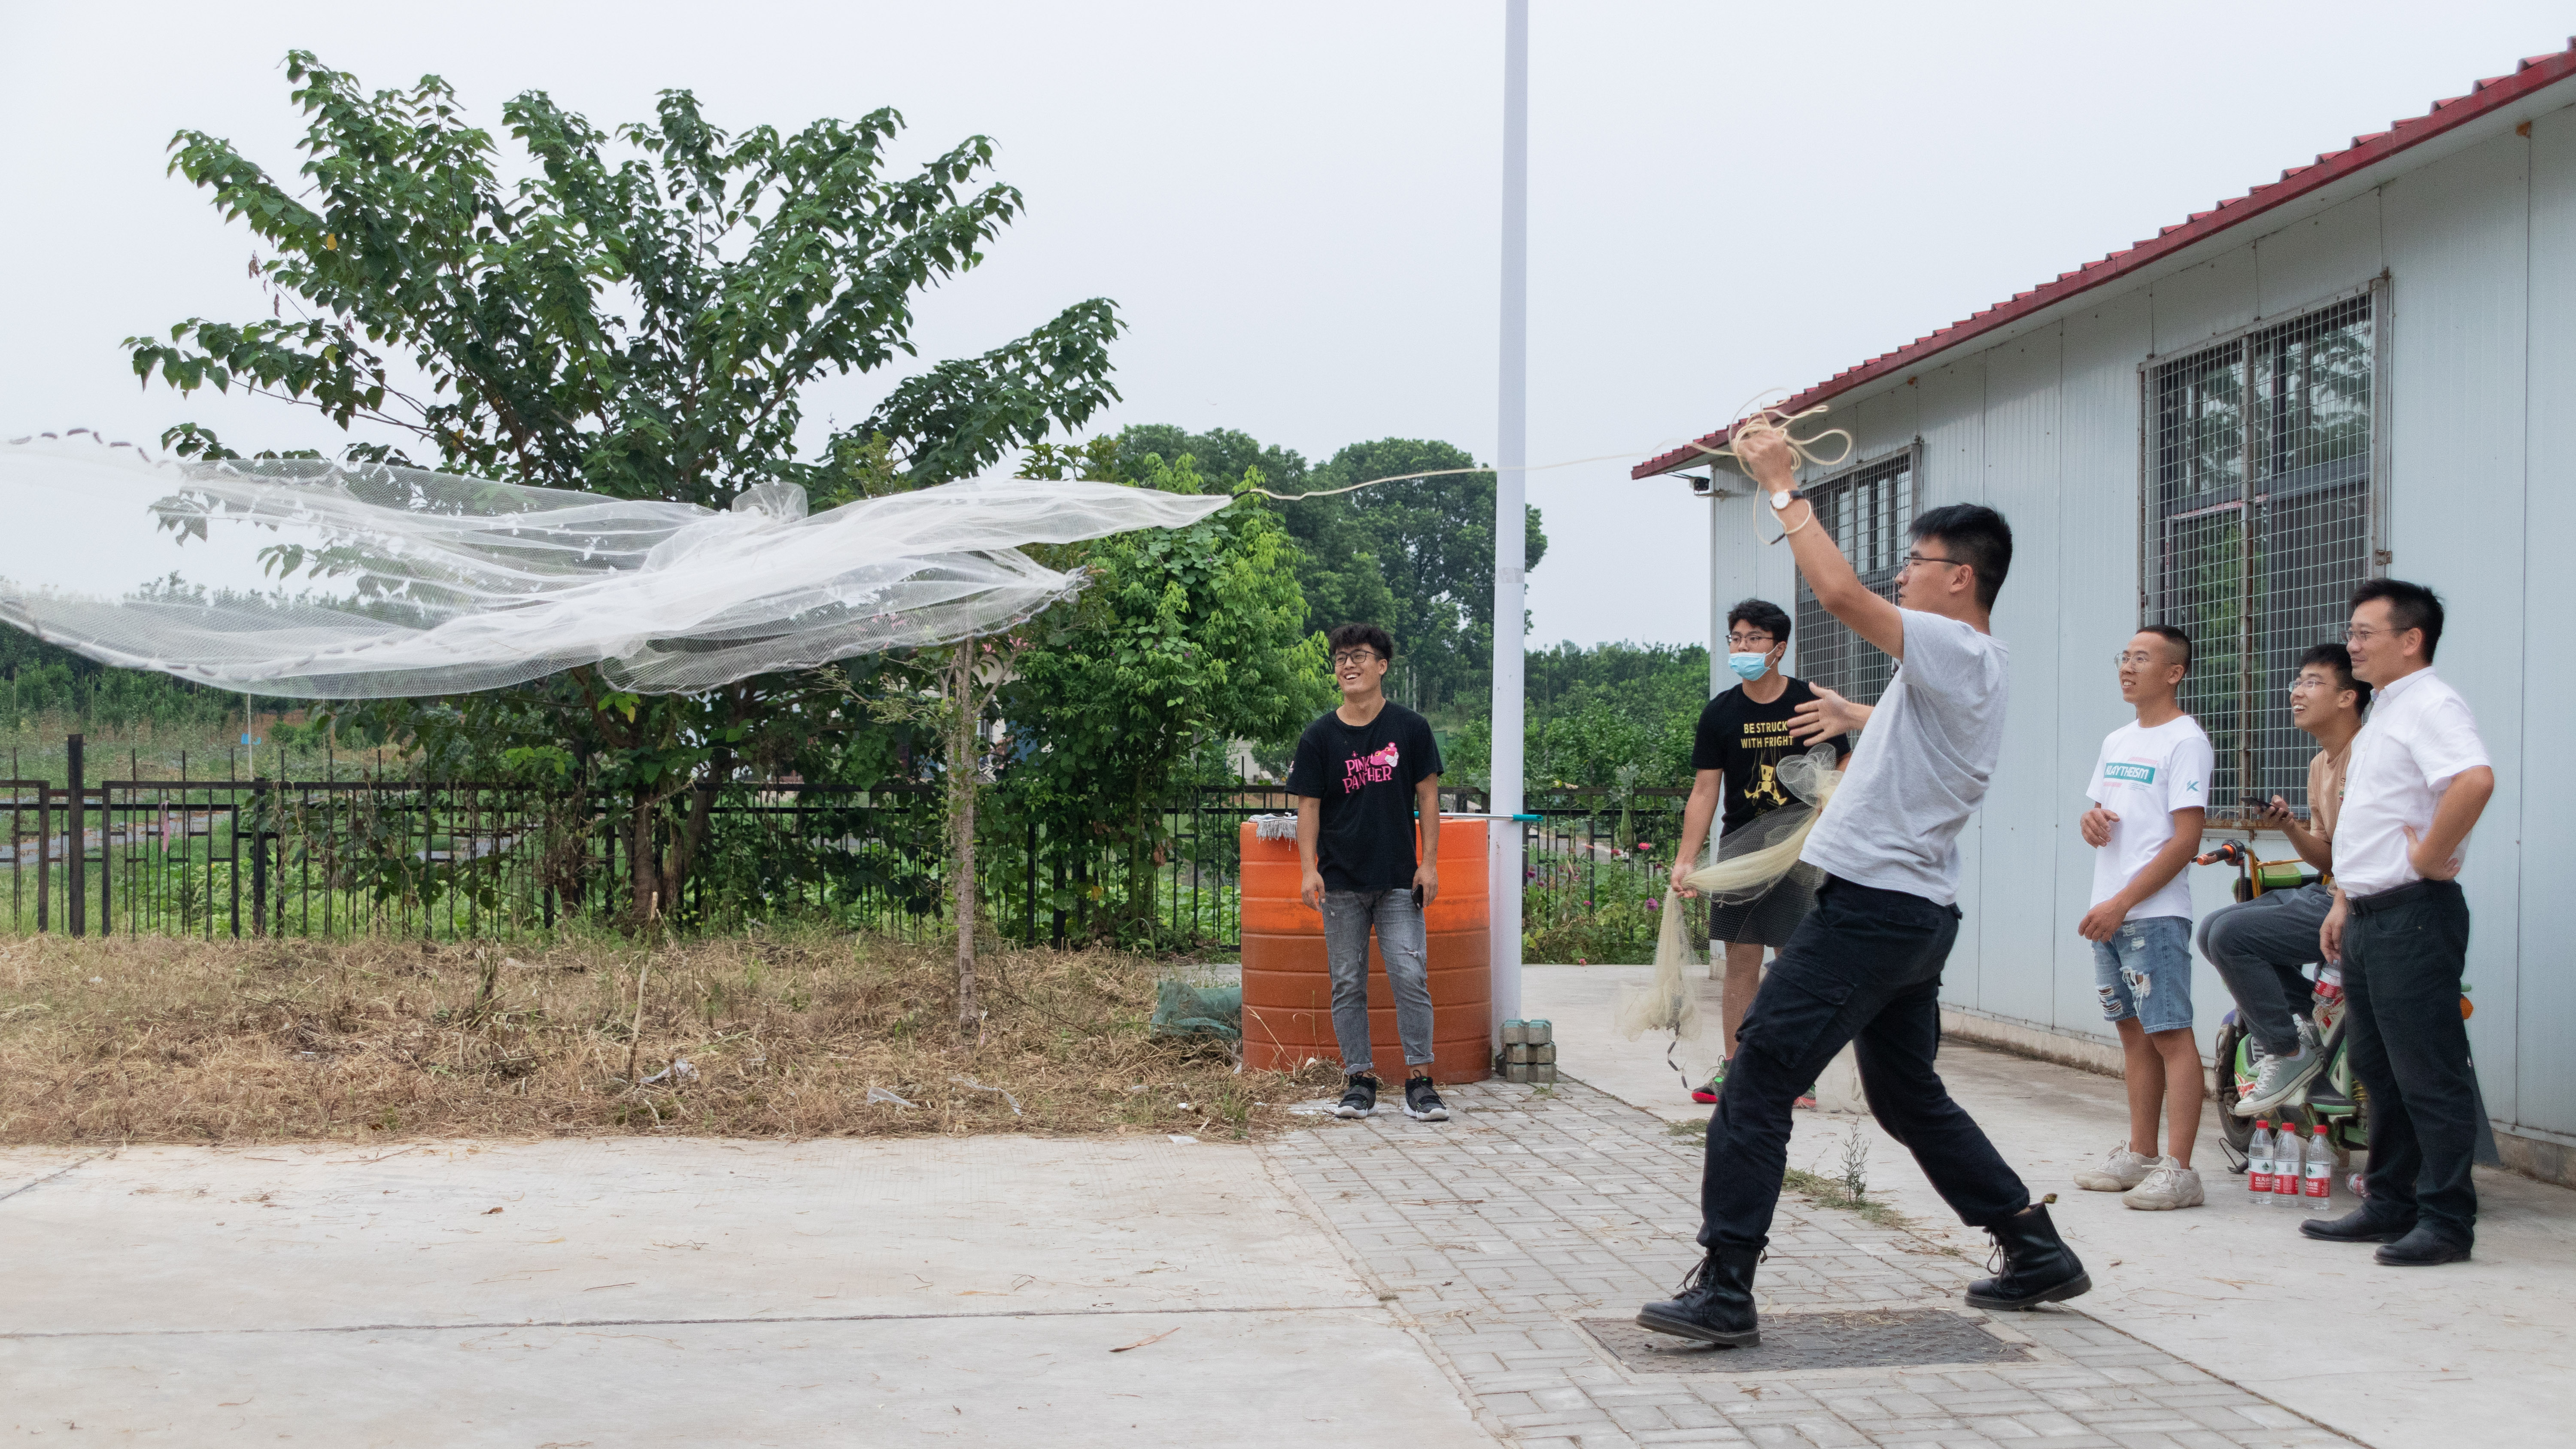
(961, 824)
(642, 859)
(692, 835)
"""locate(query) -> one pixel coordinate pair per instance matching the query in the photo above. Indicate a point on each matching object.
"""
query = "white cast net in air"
(315, 579)
(1750, 861)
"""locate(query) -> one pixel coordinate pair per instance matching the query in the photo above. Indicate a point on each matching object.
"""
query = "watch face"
(1779, 501)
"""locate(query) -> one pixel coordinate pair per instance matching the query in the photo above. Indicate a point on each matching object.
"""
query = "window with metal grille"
(1867, 510)
(2257, 527)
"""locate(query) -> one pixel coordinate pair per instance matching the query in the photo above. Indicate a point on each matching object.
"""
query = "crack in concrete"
(682, 1322)
(48, 1177)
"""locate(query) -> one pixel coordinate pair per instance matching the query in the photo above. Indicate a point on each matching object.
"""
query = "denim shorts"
(2144, 971)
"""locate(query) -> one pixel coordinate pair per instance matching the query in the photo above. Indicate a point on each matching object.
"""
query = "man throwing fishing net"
(1865, 966)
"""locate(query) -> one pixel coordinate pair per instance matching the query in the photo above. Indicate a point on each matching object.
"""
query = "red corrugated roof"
(2365, 151)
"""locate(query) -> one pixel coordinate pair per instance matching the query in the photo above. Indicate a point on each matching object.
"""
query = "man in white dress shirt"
(2416, 782)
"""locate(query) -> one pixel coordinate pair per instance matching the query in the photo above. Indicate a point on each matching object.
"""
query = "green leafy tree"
(638, 316)
(1337, 562)
(1186, 638)
(1433, 539)
(1415, 555)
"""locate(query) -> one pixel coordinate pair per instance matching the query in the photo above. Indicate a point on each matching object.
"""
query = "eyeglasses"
(1353, 656)
(1751, 641)
(1912, 559)
(2363, 633)
(2138, 657)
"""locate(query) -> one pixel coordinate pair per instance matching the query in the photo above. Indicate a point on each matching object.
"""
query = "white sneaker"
(2169, 1185)
(2119, 1172)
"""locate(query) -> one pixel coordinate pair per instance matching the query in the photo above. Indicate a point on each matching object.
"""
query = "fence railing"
(329, 849)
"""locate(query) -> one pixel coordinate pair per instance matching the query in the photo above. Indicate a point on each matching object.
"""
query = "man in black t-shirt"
(1367, 784)
(1743, 737)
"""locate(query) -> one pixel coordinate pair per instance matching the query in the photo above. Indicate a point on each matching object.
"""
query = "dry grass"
(784, 1033)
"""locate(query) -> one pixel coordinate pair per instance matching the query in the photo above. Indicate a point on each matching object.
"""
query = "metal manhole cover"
(1863, 1338)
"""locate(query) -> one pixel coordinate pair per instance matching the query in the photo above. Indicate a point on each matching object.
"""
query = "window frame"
(2242, 768)
(1807, 618)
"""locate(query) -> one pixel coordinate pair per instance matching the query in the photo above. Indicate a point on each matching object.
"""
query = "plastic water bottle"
(2287, 1174)
(2258, 1164)
(2320, 1176)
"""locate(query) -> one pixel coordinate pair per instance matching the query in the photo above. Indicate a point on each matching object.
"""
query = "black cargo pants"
(1865, 968)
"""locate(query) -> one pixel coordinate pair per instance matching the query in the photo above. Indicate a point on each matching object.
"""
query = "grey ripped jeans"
(1348, 916)
(2258, 947)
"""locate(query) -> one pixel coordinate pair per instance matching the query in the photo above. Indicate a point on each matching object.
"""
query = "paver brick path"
(1494, 1232)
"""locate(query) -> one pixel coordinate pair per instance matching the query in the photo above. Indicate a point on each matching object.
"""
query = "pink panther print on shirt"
(1370, 769)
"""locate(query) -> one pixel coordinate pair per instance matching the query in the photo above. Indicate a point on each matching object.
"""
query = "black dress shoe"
(2358, 1226)
(1715, 1304)
(2036, 1266)
(2423, 1248)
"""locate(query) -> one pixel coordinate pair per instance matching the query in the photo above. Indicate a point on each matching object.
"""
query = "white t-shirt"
(1921, 767)
(2419, 737)
(2144, 776)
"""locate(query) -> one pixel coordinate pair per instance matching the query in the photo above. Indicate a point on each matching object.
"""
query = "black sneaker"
(1359, 1097)
(1421, 1103)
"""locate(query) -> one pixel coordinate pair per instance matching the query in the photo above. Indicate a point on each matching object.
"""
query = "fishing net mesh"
(1751, 859)
(308, 578)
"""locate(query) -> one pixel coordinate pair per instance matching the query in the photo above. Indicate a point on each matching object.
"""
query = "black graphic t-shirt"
(1748, 741)
(1365, 776)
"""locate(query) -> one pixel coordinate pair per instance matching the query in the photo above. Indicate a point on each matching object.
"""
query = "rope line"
(1754, 415)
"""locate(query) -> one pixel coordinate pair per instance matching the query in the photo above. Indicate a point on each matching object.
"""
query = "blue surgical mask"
(1749, 667)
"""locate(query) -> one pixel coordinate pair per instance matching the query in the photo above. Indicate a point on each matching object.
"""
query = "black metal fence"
(333, 848)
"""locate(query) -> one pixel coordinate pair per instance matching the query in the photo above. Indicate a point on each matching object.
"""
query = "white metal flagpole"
(1511, 560)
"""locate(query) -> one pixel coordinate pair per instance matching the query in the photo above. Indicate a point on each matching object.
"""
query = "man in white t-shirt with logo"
(2150, 793)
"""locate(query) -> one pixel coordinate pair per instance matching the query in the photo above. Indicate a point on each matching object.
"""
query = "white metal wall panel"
(2097, 602)
(2204, 301)
(2016, 856)
(2481, 247)
(2458, 252)
(2325, 256)
(2542, 1012)
(1952, 416)
(1733, 555)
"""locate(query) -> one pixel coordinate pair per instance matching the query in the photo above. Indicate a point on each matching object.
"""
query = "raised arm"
(1821, 563)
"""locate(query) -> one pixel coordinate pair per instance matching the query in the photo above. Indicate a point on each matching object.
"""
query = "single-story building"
(2346, 373)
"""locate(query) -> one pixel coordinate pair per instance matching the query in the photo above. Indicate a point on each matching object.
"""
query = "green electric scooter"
(2334, 1097)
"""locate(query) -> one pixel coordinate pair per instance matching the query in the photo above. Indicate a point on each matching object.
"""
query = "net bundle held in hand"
(1751, 859)
(346, 581)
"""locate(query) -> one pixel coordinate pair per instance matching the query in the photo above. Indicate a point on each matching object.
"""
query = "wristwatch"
(1781, 501)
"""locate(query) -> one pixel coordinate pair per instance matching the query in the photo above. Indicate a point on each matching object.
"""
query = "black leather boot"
(2361, 1225)
(2034, 1265)
(1715, 1303)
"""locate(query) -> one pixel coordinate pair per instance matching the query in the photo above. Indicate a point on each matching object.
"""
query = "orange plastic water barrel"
(1288, 992)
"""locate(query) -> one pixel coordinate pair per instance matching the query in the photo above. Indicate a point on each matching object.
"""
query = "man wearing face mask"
(1743, 736)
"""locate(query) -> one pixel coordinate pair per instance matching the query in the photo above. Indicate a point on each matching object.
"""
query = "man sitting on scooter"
(2260, 945)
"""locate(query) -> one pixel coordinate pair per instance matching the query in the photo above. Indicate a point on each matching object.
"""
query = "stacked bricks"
(1529, 1050)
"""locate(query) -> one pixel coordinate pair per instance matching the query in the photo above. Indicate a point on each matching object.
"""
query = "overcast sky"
(1295, 206)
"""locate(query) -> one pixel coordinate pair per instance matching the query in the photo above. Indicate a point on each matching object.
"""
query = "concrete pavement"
(1439, 1285)
(690, 1292)
(2477, 1352)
